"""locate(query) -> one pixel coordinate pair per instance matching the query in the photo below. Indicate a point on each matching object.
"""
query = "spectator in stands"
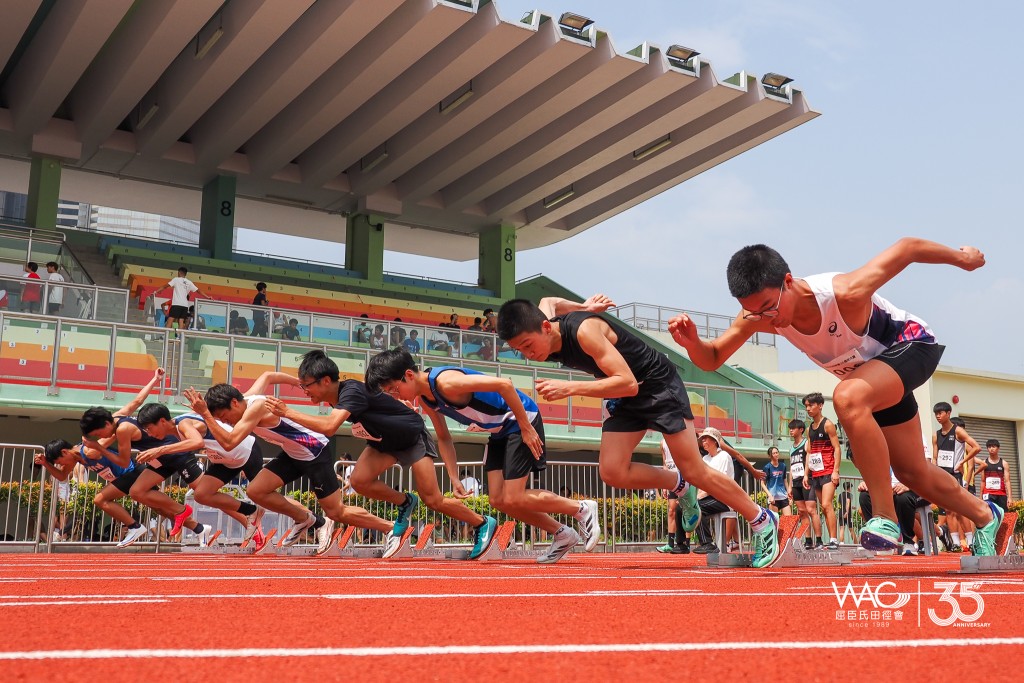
(363, 332)
(397, 334)
(182, 288)
(490, 321)
(259, 318)
(196, 322)
(411, 343)
(56, 298)
(378, 341)
(31, 294)
(291, 330)
(475, 327)
(439, 341)
(237, 324)
(486, 351)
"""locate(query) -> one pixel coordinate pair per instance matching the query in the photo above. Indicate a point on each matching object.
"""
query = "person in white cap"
(720, 456)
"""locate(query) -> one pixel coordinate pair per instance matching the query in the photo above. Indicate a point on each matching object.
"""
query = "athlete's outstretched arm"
(328, 424)
(268, 379)
(861, 283)
(553, 306)
(452, 383)
(190, 442)
(140, 397)
(618, 381)
(228, 440)
(757, 474)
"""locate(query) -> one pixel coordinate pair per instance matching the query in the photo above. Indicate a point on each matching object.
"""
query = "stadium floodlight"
(775, 84)
(681, 58)
(654, 147)
(559, 197)
(575, 25)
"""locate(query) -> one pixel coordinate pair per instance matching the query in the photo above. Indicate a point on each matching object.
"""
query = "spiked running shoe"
(295, 532)
(484, 534)
(132, 535)
(252, 524)
(405, 511)
(179, 519)
(881, 534)
(985, 537)
(326, 536)
(666, 548)
(690, 509)
(259, 542)
(392, 543)
(206, 536)
(590, 525)
(564, 541)
(766, 543)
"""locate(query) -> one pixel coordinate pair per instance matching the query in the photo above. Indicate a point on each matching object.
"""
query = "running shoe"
(683, 549)
(732, 547)
(590, 525)
(690, 508)
(985, 537)
(706, 548)
(132, 535)
(259, 541)
(392, 543)
(295, 532)
(881, 534)
(666, 548)
(206, 536)
(252, 524)
(832, 545)
(405, 511)
(766, 543)
(564, 541)
(180, 518)
(326, 536)
(484, 534)
(909, 550)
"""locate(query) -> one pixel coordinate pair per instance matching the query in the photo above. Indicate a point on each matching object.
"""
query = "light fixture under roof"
(575, 25)
(209, 35)
(374, 158)
(559, 197)
(776, 84)
(456, 99)
(679, 55)
(653, 148)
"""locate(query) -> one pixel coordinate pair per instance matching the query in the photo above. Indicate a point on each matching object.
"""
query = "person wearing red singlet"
(995, 476)
(823, 461)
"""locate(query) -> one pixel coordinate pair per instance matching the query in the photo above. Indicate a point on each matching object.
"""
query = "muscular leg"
(207, 491)
(263, 490)
(430, 494)
(683, 447)
(352, 515)
(618, 469)
(365, 477)
(104, 500)
(825, 496)
(143, 493)
(514, 499)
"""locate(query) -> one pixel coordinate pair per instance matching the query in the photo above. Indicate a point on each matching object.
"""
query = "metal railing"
(66, 299)
(655, 319)
(21, 245)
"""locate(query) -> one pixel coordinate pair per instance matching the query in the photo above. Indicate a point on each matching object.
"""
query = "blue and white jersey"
(486, 411)
(297, 441)
(105, 468)
(235, 458)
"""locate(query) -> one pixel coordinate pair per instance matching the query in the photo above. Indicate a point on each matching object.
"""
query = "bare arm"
(328, 425)
(833, 437)
(739, 457)
(228, 440)
(553, 306)
(190, 442)
(55, 471)
(972, 448)
(268, 379)
(446, 447)
(710, 354)
(619, 381)
(140, 398)
(459, 383)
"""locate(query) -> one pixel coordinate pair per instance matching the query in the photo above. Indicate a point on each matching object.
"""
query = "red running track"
(591, 617)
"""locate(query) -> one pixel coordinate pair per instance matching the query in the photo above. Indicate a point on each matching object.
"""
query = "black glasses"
(307, 385)
(768, 312)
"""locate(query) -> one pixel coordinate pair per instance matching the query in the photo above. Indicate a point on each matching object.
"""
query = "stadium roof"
(441, 115)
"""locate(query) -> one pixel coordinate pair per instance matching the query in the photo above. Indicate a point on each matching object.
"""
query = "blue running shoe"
(881, 534)
(405, 511)
(766, 543)
(985, 537)
(484, 534)
(690, 509)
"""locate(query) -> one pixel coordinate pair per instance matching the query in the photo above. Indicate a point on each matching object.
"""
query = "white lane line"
(68, 603)
(449, 650)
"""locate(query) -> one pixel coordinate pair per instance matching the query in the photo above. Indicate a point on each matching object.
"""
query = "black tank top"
(652, 369)
(147, 442)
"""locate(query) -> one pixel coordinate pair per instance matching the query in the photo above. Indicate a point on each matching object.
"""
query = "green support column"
(498, 260)
(217, 217)
(43, 192)
(364, 246)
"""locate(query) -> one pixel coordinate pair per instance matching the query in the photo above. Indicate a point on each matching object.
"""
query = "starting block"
(503, 547)
(343, 549)
(1007, 557)
(425, 548)
(790, 555)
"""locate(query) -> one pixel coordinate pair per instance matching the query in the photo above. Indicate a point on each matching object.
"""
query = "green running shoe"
(766, 543)
(881, 534)
(985, 537)
(690, 508)
(665, 548)
(405, 511)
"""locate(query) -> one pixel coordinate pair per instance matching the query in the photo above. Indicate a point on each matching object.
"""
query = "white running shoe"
(564, 541)
(325, 536)
(590, 525)
(252, 523)
(206, 535)
(133, 535)
(391, 544)
(295, 532)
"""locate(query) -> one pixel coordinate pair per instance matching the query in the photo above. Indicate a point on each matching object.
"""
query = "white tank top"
(840, 350)
(299, 442)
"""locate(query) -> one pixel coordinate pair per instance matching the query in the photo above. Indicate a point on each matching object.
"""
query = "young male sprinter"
(995, 474)
(952, 448)
(515, 449)
(224, 465)
(800, 490)
(648, 394)
(394, 433)
(823, 462)
(108, 440)
(879, 352)
(304, 453)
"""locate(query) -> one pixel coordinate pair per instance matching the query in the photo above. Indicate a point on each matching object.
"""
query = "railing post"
(39, 511)
(108, 394)
(55, 362)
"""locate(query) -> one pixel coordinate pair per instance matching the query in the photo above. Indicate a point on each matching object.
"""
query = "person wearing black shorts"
(515, 448)
(643, 391)
(224, 466)
(394, 433)
(800, 489)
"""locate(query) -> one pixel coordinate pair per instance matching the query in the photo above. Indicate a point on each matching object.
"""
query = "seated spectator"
(237, 324)
(397, 334)
(291, 330)
(486, 351)
(453, 322)
(475, 327)
(906, 502)
(199, 322)
(412, 343)
(378, 340)
(490, 323)
(720, 456)
(439, 341)
(363, 332)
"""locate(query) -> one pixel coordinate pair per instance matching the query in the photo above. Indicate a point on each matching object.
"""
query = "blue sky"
(919, 135)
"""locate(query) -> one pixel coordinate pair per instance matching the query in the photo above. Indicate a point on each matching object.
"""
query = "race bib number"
(797, 470)
(845, 364)
(993, 483)
(154, 463)
(105, 474)
(817, 462)
(359, 431)
(946, 458)
(476, 428)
